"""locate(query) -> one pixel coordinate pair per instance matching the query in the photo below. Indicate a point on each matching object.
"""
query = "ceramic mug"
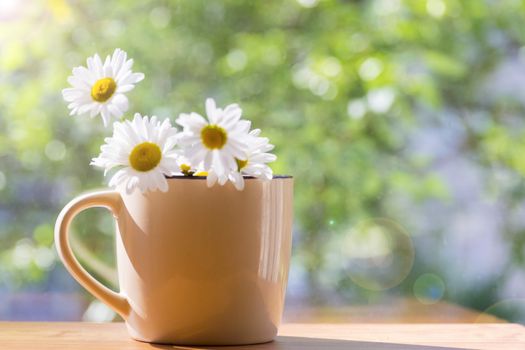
(196, 265)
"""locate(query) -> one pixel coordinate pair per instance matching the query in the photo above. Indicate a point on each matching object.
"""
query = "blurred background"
(403, 122)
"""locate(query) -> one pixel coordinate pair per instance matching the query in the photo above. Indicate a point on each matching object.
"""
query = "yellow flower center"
(145, 156)
(201, 173)
(213, 136)
(186, 170)
(241, 163)
(103, 89)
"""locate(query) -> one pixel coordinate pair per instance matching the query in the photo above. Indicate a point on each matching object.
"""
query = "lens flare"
(378, 254)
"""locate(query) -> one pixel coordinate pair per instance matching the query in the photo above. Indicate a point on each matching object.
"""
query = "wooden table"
(403, 324)
(293, 336)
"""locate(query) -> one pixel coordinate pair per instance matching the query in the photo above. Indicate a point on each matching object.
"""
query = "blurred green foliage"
(340, 87)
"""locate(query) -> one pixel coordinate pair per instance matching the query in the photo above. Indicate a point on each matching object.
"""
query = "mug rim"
(174, 177)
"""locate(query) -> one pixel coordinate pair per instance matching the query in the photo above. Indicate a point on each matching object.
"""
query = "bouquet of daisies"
(145, 150)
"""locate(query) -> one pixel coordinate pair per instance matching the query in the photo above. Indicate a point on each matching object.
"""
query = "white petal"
(98, 66)
(235, 152)
(114, 111)
(119, 177)
(223, 179)
(158, 180)
(72, 94)
(208, 161)
(231, 115)
(228, 161)
(105, 116)
(132, 183)
(86, 108)
(192, 120)
(117, 59)
(255, 132)
(211, 110)
(211, 179)
(238, 180)
(79, 83)
(121, 101)
(125, 88)
(131, 78)
(94, 111)
(242, 127)
(108, 69)
(124, 69)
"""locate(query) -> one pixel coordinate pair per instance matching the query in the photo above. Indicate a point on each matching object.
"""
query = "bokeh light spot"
(44, 257)
(370, 69)
(55, 150)
(43, 234)
(386, 7)
(98, 312)
(380, 100)
(319, 85)
(429, 288)
(22, 254)
(331, 66)
(308, 3)
(236, 60)
(436, 8)
(512, 310)
(356, 109)
(160, 17)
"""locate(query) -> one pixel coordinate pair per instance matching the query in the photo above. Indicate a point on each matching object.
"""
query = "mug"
(196, 265)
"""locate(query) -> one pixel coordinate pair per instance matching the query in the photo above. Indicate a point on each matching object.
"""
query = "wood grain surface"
(113, 336)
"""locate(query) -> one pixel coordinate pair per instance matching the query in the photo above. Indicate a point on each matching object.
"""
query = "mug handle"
(110, 200)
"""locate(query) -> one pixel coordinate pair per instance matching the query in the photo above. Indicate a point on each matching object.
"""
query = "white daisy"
(214, 144)
(144, 151)
(100, 88)
(257, 157)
